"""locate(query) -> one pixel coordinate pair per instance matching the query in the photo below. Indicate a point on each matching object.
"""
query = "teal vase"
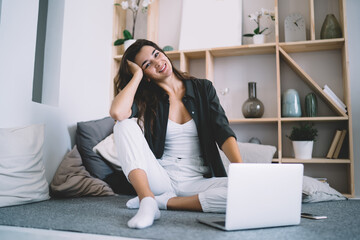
(311, 105)
(330, 28)
(290, 106)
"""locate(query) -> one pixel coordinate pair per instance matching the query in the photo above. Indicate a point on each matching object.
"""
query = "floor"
(18, 233)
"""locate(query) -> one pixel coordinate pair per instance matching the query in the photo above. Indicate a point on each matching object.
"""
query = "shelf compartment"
(335, 7)
(326, 132)
(173, 55)
(312, 46)
(313, 119)
(310, 82)
(316, 160)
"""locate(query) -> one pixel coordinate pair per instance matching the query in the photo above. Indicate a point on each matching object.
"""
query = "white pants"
(182, 176)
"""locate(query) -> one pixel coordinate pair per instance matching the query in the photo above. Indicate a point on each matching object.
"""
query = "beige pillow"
(72, 180)
(106, 148)
(22, 173)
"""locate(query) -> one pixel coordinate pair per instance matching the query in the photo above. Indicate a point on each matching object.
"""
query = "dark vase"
(330, 28)
(252, 107)
(311, 105)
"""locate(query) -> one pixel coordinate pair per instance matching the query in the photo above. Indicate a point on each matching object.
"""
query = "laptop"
(260, 196)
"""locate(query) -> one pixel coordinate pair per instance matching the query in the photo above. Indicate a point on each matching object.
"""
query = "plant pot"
(128, 43)
(303, 149)
(259, 39)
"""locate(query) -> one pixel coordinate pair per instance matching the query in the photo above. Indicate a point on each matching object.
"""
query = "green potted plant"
(259, 35)
(133, 6)
(303, 138)
(127, 36)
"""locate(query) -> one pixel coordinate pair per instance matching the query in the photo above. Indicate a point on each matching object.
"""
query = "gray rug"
(108, 215)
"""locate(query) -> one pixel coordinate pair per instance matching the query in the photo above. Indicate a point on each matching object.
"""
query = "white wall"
(353, 20)
(84, 71)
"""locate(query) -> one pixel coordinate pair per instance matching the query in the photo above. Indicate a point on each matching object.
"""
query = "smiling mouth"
(163, 68)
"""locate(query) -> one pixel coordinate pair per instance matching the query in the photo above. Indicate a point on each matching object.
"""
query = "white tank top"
(182, 140)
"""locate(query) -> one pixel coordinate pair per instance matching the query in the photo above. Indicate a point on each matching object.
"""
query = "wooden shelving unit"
(282, 52)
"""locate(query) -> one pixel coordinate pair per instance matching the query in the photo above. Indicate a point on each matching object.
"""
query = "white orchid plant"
(256, 18)
(133, 6)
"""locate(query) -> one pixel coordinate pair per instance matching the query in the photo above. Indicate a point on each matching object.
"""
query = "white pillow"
(106, 148)
(22, 173)
(316, 191)
(252, 153)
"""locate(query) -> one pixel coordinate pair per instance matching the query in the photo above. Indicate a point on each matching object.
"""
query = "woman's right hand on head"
(135, 69)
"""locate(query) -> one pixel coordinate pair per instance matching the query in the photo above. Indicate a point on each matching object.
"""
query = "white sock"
(161, 201)
(147, 213)
(133, 203)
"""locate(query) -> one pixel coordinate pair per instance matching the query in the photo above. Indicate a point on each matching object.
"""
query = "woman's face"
(154, 63)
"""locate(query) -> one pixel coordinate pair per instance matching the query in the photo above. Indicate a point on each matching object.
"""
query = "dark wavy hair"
(148, 93)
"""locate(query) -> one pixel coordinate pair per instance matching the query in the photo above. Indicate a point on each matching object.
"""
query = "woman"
(172, 161)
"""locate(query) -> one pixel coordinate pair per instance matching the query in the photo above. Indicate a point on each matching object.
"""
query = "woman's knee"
(126, 125)
(127, 128)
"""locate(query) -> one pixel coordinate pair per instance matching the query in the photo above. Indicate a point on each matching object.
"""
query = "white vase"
(259, 39)
(128, 43)
(303, 149)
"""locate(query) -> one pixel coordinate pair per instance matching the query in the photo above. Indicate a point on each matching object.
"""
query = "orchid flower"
(256, 18)
(133, 6)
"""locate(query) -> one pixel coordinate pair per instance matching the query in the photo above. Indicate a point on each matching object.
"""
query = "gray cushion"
(88, 134)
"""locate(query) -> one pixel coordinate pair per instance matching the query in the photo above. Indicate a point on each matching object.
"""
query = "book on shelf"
(328, 89)
(334, 142)
(339, 144)
(335, 98)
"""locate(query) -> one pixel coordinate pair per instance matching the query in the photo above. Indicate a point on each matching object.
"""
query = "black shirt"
(202, 103)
